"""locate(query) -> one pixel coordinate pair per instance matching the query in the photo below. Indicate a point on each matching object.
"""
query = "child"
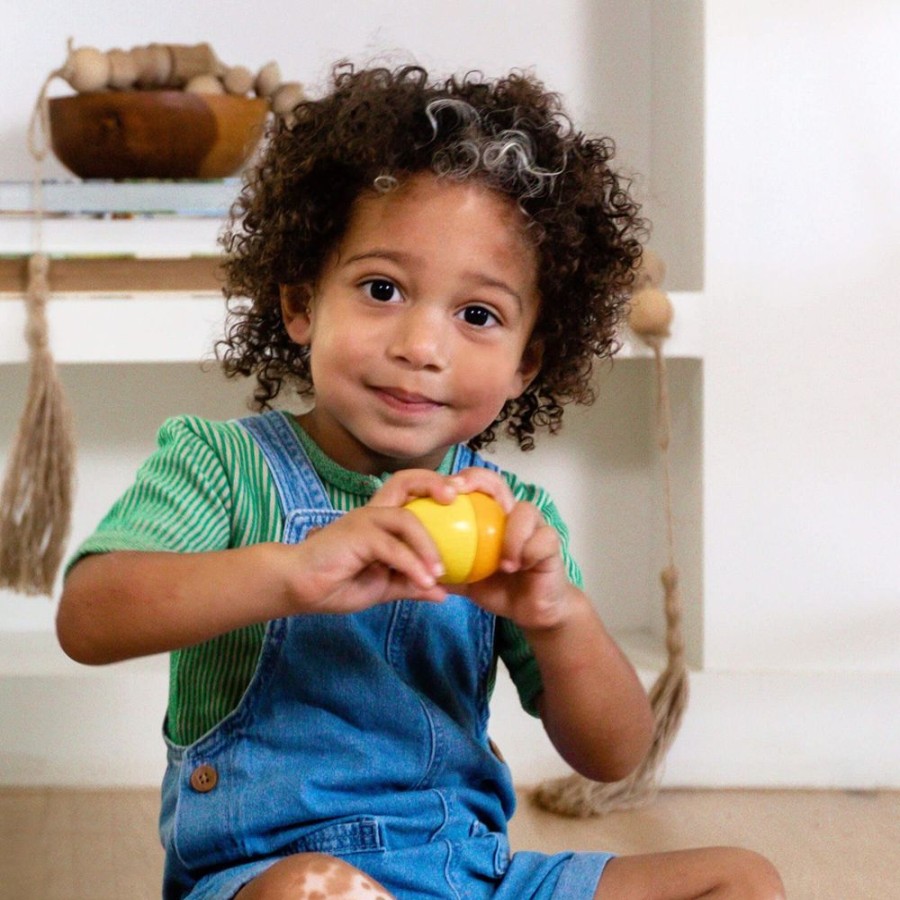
(427, 262)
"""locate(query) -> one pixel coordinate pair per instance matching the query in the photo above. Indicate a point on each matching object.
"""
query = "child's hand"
(530, 587)
(381, 552)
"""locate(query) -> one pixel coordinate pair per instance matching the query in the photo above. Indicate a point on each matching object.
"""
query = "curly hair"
(374, 128)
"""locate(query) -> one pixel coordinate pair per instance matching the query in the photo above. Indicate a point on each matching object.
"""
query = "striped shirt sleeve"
(512, 647)
(187, 497)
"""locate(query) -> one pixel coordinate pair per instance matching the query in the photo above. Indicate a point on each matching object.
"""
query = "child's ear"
(529, 366)
(295, 311)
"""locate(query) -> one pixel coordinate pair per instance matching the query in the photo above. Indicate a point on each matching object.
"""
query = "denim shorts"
(528, 876)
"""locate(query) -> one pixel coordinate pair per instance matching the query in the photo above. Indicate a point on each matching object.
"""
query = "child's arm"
(125, 604)
(593, 706)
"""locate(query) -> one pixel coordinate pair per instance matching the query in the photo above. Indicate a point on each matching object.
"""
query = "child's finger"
(401, 588)
(542, 547)
(411, 483)
(402, 543)
(488, 482)
(527, 539)
(407, 565)
(375, 536)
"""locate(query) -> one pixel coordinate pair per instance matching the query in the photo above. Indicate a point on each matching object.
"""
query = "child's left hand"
(530, 587)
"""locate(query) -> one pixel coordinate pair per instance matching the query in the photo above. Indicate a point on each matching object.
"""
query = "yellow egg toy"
(468, 533)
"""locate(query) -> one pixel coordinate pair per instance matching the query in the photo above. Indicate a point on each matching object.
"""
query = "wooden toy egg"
(86, 69)
(155, 68)
(188, 61)
(468, 533)
(286, 97)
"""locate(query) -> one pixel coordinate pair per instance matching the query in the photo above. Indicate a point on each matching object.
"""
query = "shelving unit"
(129, 327)
(150, 295)
(141, 309)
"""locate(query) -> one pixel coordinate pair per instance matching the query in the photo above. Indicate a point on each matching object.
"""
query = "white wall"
(802, 398)
(803, 319)
(793, 156)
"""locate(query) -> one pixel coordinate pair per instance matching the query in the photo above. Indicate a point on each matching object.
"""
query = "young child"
(426, 263)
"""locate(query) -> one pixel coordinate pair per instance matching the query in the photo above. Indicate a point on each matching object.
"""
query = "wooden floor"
(102, 845)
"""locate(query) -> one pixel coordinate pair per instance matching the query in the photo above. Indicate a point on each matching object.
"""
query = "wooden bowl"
(155, 134)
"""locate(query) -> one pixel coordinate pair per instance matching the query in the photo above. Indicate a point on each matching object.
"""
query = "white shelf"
(147, 219)
(108, 218)
(102, 237)
(116, 328)
(197, 199)
(182, 327)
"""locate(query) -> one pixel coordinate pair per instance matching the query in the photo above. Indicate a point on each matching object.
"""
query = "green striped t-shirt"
(207, 487)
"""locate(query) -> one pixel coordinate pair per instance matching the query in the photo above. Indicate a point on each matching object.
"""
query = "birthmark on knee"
(330, 879)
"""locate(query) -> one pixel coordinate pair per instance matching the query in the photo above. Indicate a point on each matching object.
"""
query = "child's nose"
(420, 339)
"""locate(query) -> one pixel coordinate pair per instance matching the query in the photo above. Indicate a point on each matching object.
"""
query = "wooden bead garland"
(190, 67)
(649, 317)
(650, 312)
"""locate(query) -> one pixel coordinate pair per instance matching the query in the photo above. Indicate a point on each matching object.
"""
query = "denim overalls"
(361, 736)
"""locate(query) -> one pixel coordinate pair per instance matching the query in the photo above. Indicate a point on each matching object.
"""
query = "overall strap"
(297, 483)
(466, 457)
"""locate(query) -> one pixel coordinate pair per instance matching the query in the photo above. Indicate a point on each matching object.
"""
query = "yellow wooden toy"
(468, 533)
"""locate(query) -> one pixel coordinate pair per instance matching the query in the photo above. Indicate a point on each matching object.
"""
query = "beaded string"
(575, 795)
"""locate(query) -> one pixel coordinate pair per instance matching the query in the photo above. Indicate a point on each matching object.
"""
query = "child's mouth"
(405, 401)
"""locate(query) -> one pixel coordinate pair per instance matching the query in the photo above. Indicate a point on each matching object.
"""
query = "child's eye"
(479, 316)
(381, 289)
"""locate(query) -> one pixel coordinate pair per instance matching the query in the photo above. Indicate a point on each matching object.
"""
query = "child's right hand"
(379, 552)
(125, 604)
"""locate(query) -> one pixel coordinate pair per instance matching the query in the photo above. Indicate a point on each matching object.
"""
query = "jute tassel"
(36, 498)
(575, 795)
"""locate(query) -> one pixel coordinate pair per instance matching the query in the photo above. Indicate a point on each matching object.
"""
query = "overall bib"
(362, 735)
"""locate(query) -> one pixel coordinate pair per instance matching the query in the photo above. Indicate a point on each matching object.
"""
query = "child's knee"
(313, 876)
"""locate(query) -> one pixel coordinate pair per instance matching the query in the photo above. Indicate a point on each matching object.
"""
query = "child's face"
(419, 328)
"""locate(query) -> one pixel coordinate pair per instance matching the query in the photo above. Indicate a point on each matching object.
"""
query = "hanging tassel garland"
(576, 796)
(36, 498)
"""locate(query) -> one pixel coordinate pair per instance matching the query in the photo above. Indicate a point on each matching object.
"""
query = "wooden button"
(204, 778)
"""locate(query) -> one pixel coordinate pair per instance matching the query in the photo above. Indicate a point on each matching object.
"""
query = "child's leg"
(313, 876)
(713, 872)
